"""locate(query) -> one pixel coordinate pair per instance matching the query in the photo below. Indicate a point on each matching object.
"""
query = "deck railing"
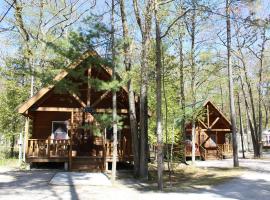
(123, 149)
(226, 148)
(48, 148)
(51, 148)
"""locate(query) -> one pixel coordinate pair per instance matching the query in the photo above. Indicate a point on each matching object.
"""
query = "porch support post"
(88, 87)
(26, 133)
(71, 139)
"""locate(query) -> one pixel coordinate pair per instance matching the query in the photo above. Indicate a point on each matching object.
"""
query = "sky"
(8, 44)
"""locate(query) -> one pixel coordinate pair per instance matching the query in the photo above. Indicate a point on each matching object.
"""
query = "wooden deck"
(49, 150)
(218, 152)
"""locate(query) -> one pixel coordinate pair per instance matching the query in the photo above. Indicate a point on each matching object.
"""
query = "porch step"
(211, 155)
(86, 163)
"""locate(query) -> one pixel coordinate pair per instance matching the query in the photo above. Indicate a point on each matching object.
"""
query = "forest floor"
(251, 181)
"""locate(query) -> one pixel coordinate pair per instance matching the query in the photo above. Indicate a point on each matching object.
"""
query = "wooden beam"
(203, 123)
(121, 111)
(61, 109)
(218, 130)
(216, 120)
(208, 117)
(78, 99)
(100, 98)
(88, 86)
(58, 109)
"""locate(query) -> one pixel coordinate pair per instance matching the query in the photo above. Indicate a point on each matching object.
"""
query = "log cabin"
(213, 134)
(65, 123)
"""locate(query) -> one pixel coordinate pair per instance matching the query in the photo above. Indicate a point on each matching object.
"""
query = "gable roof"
(218, 110)
(42, 92)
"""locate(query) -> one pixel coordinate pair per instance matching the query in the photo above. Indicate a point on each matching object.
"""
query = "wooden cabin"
(65, 124)
(266, 139)
(213, 134)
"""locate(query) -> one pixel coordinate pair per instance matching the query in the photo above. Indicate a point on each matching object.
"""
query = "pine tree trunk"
(260, 146)
(182, 96)
(12, 145)
(144, 113)
(231, 87)
(114, 103)
(145, 29)
(159, 102)
(253, 136)
(193, 93)
(131, 97)
(241, 126)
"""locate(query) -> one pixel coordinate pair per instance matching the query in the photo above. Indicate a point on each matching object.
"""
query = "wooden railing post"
(70, 146)
(49, 147)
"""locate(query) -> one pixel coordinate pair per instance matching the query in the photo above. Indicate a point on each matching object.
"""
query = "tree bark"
(12, 145)
(131, 97)
(114, 103)
(193, 74)
(145, 29)
(252, 131)
(241, 126)
(261, 58)
(182, 94)
(231, 86)
(159, 101)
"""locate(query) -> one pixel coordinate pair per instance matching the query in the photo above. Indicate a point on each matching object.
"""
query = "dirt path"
(30, 185)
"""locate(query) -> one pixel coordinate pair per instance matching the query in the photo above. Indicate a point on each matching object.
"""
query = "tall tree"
(159, 98)
(231, 86)
(131, 96)
(145, 30)
(114, 102)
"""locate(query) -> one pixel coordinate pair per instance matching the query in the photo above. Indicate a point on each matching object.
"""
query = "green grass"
(9, 162)
(6, 160)
(190, 178)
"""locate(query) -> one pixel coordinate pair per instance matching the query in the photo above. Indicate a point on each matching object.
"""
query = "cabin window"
(59, 130)
(213, 140)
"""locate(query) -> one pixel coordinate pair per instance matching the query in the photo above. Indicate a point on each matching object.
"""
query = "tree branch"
(174, 21)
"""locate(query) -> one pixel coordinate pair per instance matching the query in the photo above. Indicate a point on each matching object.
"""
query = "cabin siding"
(211, 130)
(42, 123)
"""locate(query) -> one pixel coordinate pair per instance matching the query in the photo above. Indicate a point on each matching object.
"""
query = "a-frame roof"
(42, 92)
(208, 102)
(212, 119)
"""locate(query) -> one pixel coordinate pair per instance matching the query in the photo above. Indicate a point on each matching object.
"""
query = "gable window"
(59, 130)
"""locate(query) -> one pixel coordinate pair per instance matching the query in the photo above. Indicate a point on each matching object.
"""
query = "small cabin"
(266, 139)
(69, 126)
(213, 134)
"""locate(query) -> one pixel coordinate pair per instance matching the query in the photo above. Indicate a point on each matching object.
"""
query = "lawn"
(187, 177)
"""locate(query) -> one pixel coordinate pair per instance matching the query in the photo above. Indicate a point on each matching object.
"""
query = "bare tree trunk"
(266, 109)
(182, 95)
(252, 131)
(159, 102)
(221, 95)
(28, 59)
(231, 86)
(241, 126)
(193, 74)
(261, 58)
(169, 160)
(145, 29)
(12, 145)
(114, 103)
(131, 98)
